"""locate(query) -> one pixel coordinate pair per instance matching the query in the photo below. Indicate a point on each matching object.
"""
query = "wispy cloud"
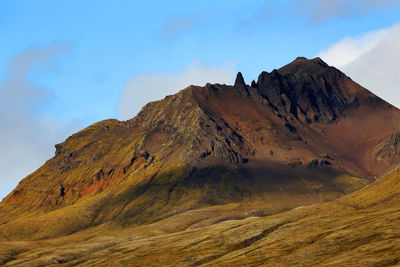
(178, 24)
(322, 10)
(371, 60)
(141, 89)
(27, 137)
(315, 11)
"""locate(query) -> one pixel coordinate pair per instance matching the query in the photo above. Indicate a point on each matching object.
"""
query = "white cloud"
(373, 60)
(141, 89)
(27, 137)
(349, 49)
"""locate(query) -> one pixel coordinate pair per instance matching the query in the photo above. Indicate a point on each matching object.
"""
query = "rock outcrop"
(391, 146)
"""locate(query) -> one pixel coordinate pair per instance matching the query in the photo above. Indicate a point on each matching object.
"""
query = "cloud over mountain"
(27, 137)
(143, 88)
(371, 60)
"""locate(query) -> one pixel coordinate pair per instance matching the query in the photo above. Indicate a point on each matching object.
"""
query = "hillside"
(360, 229)
(300, 135)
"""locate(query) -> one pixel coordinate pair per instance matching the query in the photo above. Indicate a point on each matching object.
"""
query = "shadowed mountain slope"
(300, 135)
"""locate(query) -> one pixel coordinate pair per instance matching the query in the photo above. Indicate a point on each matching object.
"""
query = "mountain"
(303, 134)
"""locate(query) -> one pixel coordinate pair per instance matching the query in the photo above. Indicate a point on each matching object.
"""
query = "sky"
(66, 64)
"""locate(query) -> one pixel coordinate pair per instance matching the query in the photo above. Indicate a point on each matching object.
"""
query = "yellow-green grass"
(338, 233)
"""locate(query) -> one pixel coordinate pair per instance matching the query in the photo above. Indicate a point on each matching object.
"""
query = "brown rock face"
(302, 134)
(311, 91)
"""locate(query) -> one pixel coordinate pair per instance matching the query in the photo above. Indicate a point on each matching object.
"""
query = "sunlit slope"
(360, 229)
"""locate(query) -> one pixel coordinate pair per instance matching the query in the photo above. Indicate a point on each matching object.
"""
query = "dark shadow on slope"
(257, 188)
(178, 191)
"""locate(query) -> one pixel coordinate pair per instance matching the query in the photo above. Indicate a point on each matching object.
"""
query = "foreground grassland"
(360, 229)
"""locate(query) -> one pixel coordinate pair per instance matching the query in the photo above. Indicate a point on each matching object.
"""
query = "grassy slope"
(174, 192)
(360, 229)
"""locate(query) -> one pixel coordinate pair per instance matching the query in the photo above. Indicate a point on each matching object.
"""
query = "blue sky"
(85, 61)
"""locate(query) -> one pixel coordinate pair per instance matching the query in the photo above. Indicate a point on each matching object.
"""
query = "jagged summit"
(276, 142)
(239, 81)
(241, 85)
(310, 90)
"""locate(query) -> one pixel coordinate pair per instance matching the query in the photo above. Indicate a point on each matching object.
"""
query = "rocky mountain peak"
(310, 90)
(239, 81)
(302, 65)
(241, 85)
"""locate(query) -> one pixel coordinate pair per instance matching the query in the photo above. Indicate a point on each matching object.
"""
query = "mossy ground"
(361, 229)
